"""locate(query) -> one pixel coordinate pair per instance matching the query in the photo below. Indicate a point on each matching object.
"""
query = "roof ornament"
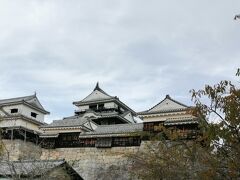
(237, 17)
(97, 87)
(35, 93)
(167, 96)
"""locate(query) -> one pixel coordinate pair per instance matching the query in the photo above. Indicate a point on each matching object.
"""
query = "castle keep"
(96, 137)
(101, 120)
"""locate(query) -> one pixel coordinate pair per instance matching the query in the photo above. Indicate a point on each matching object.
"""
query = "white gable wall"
(129, 117)
(23, 110)
(110, 105)
(8, 109)
(167, 104)
(106, 105)
(26, 111)
(96, 95)
(90, 125)
(19, 122)
(83, 108)
(161, 117)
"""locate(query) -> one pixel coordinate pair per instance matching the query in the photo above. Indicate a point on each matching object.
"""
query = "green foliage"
(223, 133)
(213, 155)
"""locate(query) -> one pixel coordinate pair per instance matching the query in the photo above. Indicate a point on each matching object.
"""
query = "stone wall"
(95, 163)
(91, 163)
(20, 150)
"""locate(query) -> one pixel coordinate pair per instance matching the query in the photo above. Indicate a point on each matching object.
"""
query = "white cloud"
(138, 50)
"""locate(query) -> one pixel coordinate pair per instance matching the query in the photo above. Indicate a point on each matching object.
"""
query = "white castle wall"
(24, 110)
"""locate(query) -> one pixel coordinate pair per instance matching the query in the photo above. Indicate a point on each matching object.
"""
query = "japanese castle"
(101, 120)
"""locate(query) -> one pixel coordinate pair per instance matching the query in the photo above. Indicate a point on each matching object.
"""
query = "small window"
(15, 110)
(101, 106)
(93, 107)
(33, 114)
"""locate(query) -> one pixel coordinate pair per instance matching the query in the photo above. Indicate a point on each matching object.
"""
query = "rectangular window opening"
(33, 114)
(101, 106)
(93, 107)
(15, 110)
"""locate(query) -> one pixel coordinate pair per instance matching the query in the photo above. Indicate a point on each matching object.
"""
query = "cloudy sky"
(138, 50)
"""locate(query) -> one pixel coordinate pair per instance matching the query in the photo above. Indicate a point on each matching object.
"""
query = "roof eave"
(36, 108)
(123, 104)
(123, 134)
(79, 103)
(26, 103)
(158, 112)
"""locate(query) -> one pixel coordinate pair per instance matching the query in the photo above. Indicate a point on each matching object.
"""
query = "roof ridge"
(161, 111)
(30, 100)
(37, 103)
(127, 124)
(22, 97)
(166, 97)
(97, 88)
(125, 113)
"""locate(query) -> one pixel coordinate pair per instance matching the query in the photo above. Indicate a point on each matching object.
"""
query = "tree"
(221, 124)
(213, 155)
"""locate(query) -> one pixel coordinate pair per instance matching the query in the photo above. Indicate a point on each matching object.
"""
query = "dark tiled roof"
(28, 100)
(162, 111)
(17, 99)
(67, 122)
(94, 101)
(73, 121)
(114, 129)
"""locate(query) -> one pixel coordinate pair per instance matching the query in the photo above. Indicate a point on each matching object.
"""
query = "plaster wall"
(95, 95)
(167, 104)
(19, 122)
(164, 117)
(83, 108)
(24, 110)
(110, 105)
